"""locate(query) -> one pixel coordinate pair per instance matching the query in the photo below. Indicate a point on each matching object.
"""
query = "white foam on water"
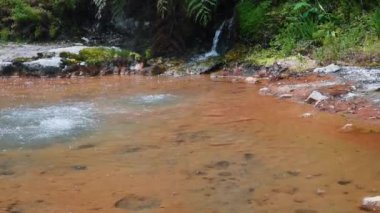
(152, 99)
(155, 98)
(28, 125)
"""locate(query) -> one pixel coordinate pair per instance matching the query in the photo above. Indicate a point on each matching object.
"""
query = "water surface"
(134, 144)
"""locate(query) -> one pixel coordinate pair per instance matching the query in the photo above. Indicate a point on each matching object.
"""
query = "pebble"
(305, 211)
(264, 91)
(251, 80)
(347, 128)
(79, 167)
(285, 96)
(320, 192)
(344, 182)
(307, 115)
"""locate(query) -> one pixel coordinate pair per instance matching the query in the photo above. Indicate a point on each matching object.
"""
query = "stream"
(157, 144)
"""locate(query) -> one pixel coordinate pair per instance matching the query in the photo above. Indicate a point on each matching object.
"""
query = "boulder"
(251, 80)
(371, 203)
(152, 70)
(6, 68)
(43, 67)
(315, 97)
(328, 69)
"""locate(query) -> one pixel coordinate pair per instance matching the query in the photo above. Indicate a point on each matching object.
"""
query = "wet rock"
(152, 70)
(221, 165)
(293, 172)
(199, 173)
(85, 146)
(315, 97)
(137, 203)
(264, 91)
(371, 203)
(7, 172)
(344, 182)
(224, 174)
(299, 200)
(297, 64)
(337, 90)
(248, 156)
(286, 190)
(347, 128)
(203, 66)
(307, 115)
(133, 149)
(79, 167)
(7, 68)
(251, 80)
(305, 211)
(328, 69)
(14, 208)
(286, 96)
(320, 192)
(43, 67)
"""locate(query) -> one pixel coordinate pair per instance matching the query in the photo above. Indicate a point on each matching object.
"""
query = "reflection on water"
(25, 126)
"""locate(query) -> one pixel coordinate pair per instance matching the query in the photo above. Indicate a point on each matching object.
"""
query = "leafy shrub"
(376, 22)
(252, 18)
(4, 34)
(22, 12)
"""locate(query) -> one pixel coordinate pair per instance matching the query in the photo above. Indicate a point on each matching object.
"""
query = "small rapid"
(27, 126)
(23, 127)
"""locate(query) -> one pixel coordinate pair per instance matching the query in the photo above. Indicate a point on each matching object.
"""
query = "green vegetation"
(99, 56)
(37, 20)
(252, 19)
(343, 30)
(321, 29)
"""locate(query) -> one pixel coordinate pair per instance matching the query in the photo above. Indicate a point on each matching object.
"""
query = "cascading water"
(213, 52)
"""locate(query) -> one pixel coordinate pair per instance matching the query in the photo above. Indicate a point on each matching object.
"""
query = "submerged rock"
(137, 203)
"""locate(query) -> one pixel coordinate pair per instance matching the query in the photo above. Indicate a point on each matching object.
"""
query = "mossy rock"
(21, 60)
(100, 55)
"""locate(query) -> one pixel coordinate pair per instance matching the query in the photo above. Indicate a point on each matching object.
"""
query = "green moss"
(5, 34)
(22, 60)
(264, 57)
(98, 56)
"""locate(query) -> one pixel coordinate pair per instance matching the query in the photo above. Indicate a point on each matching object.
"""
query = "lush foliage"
(200, 10)
(36, 20)
(252, 19)
(325, 30)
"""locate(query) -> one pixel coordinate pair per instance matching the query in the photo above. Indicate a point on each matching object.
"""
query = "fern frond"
(100, 4)
(163, 8)
(118, 7)
(201, 10)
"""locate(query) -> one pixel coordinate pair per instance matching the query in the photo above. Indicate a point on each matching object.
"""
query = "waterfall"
(215, 42)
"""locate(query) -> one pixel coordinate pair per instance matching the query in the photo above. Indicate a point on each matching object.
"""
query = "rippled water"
(28, 126)
(133, 144)
(35, 126)
(367, 81)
